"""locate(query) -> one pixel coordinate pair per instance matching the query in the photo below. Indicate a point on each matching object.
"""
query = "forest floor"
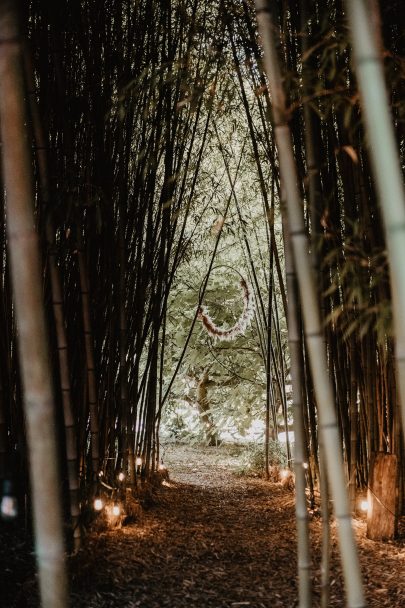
(210, 539)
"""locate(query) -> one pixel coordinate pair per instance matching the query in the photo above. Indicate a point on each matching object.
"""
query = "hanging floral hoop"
(226, 335)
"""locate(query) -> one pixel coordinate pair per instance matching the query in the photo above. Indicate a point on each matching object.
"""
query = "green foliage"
(277, 453)
(360, 277)
(181, 423)
(237, 380)
(252, 458)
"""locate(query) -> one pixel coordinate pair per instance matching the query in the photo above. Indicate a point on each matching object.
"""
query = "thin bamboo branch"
(92, 392)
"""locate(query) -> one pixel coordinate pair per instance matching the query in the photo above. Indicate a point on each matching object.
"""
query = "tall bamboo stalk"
(311, 311)
(70, 426)
(295, 346)
(90, 362)
(3, 435)
(32, 340)
(385, 163)
(57, 305)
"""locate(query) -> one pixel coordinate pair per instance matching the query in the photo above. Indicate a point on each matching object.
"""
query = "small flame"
(9, 507)
(98, 504)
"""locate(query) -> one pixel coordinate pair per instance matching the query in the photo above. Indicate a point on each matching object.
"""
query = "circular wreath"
(219, 333)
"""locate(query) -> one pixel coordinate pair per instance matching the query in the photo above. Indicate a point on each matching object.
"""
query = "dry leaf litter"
(207, 538)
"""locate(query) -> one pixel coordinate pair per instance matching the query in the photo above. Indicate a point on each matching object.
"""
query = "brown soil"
(214, 539)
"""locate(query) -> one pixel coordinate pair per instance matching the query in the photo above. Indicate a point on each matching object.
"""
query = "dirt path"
(218, 540)
(215, 540)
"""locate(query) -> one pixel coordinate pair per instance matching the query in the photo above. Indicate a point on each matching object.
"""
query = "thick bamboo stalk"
(295, 346)
(385, 162)
(32, 340)
(326, 544)
(57, 307)
(311, 313)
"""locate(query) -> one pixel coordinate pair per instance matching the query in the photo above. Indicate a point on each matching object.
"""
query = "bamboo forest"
(202, 303)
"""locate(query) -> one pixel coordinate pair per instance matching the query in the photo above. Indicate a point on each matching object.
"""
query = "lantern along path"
(213, 539)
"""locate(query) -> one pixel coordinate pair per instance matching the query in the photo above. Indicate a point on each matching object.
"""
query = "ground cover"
(209, 537)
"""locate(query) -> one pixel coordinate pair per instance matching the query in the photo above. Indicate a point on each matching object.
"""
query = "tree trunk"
(382, 517)
(210, 432)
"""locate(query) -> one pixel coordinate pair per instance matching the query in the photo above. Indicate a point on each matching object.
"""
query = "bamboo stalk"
(385, 163)
(90, 361)
(295, 346)
(325, 511)
(69, 421)
(32, 341)
(3, 435)
(353, 424)
(57, 306)
(311, 313)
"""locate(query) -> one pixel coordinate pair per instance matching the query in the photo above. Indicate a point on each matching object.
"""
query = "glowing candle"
(8, 507)
(364, 505)
(8, 503)
(98, 504)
